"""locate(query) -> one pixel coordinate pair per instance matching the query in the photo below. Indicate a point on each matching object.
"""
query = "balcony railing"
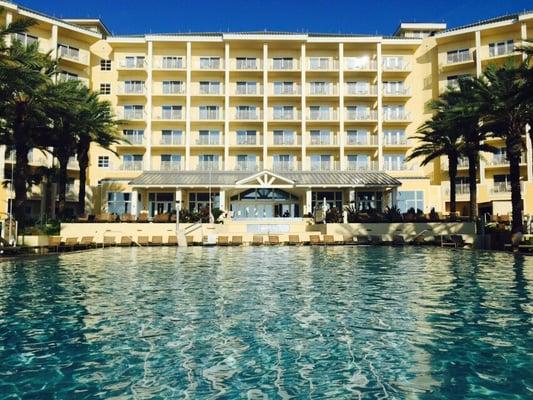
(168, 90)
(171, 166)
(209, 140)
(213, 64)
(286, 115)
(454, 58)
(353, 90)
(286, 90)
(329, 115)
(460, 189)
(461, 163)
(285, 166)
(503, 188)
(209, 115)
(131, 115)
(137, 63)
(361, 115)
(396, 116)
(323, 140)
(247, 65)
(501, 160)
(244, 90)
(395, 91)
(248, 166)
(252, 115)
(362, 166)
(132, 139)
(395, 166)
(370, 65)
(322, 90)
(401, 66)
(208, 166)
(247, 140)
(170, 63)
(324, 166)
(132, 90)
(170, 115)
(131, 166)
(368, 140)
(74, 55)
(171, 140)
(396, 141)
(322, 65)
(284, 65)
(285, 140)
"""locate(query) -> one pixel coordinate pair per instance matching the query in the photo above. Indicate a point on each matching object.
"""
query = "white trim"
(263, 174)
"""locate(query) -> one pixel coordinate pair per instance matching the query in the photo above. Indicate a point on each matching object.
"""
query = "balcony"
(396, 91)
(500, 160)
(213, 64)
(131, 90)
(131, 115)
(503, 188)
(284, 65)
(396, 141)
(171, 140)
(247, 90)
(461, 189)
(71, 54)
(208, 166)
(293, 140)
(254, 140)
(322, 64)
(248, 115)
(352, 115)
(286, 116)
(354, 90)
(285, 166)
(132, 140)
(131, 166)
(462, 163)
(214, 140)
(328, 115)
(330, 140)
(396, 117)
(132, 64)
(286, 90)
(208, 115)
(368, 140)
(322, 90)
(170, 64)
(456, 58)
(207, 90)
(168, 115)
(361, 166)
(397, 166)
(401, 66)
(324, 166)
(168, 90)
(171, 166)
(250, 166)
(250, 64)
(369, 65)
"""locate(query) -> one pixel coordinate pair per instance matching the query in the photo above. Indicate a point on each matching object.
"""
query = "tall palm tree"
(434, 140)
(21, 25)
(506, 107)
(24, 82)
(98, 126)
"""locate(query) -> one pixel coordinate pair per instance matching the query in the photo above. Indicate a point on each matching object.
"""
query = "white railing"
(503, 188)
(354, 90)
(394, 91)
(322, 90)
(170, 63)
(208, 166)
(77, 55)
(322, 64)
(370, 65)
(398, 166)
(461, 163)
(252, 115)
(171, 166)
(208, 115)
(330, 140)
(361, 166)
(286, 165)
(396, 116)
(132, 140)
(361, 115)
(454, 58)
(132, 90)
(368, 140)
(171, 140)
(460, 189)
(284, 65)
(131, 115)
(501, 160)
(215, 140)
(252, 64)
(202, 90)
(168, 115)
(243, 90)
(324, 166)
(396, 141)
(168, 90)
(248, 165)
(131, 166)
(289, 90)
(401, 66)
(286, 115)
(285, 140)
(329, 115)
(247, 140)
(212, 64)
(137, 63)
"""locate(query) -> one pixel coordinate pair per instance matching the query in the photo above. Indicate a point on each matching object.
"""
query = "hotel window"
(453, 80)
(362, 62)
(134, 61)
(246, 63)
(68, 76)
(208, 162)
(171, 112)
(171, 137)
(284, 137)
(172, 62)
(501, 48)
(208, 137)
(320, 162)
(246, 137)
(358, 87)
(393, 62)
(200, 200)
(118, 203)
(283, 112)
(361, 111)
(367, 201)
(132, 162)
(133, 87)
(246, 162)
(283, 162)
(244, 87)
(318, 63)
(410, 199)
(456, 56)
(394, 137)
(172, 87)
(283, 63)
(286, 87)
(320, 112)
(25, 38)
(133, 111)
(209, 87)
(393, 87)
(247, 112)
(333, 200)
(65, 50)
(358, 162)
(103, 161)
(320, 137)
(357, 137)
(105, 65)
(502, 183)
(105, 88)
(209, 112)
(170, 162)
(209, 62)
(133, 136)
(393, 111)
(394, 162)
(319, 87)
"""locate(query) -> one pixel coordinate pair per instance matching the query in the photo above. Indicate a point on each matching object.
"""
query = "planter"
(33, 240)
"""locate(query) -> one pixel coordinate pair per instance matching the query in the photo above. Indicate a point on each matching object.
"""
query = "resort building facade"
(270, 123)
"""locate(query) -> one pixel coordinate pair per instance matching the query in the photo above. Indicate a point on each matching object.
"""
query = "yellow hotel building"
(271, 123)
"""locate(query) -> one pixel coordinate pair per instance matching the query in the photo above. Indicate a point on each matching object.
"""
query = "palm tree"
(98, 126)
(435, 139)
(24, 82)
(506, 108)
(21, 25)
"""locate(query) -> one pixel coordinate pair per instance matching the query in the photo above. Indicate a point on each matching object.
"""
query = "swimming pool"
(337, 322)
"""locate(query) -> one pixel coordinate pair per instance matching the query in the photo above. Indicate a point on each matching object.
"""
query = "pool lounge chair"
(273, 240)
(143, 241)
(294, 240)
(257, 240)
(70, 244)
(222, 241)
(108, 241)
(125, 241)
(54, 242)
(314, 240)
(157, 241)
(349, 239)
(87, 242)
(329, 239)
(172, 241)
(190, 240)
(236, 240)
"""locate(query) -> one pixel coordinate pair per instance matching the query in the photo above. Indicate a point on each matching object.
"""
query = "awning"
(239, 179)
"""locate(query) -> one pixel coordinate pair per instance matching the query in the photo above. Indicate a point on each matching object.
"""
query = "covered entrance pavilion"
(261, 195)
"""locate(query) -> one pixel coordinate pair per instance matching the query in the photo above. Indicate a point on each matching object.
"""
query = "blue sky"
(332, 16)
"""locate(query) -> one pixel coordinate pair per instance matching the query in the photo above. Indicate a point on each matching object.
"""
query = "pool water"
(258, 323)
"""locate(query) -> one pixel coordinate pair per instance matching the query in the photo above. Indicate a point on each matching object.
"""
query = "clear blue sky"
(332, 16)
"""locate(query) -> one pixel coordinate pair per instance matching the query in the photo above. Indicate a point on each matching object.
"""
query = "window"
(118, 202)
(246, 63)
(359, 112)
(362, 62)
(133, 136)
(172, 62)
(66, 50)
(284, 137)
(133, 87)
(394, 162)
(209, 87)
(320, 112)
(133, 111)
(209, 62)
(105, 88)
(357, 137)
(208, 137)
(198, 201)
(170, 162)
(171, 112)
(134, 62)
(283, 162)
(283, 63)
(103, 161)
(453, 80)
(502, 183)
(358, 162)
(172, 87)
(208, 162)
(319, 87)
(246, 162)
(456, 56)
(320, 162)
(394, 111)
(410, 199)
(244, 87)
(319, 63)
(393, 87)
(283, 112)
(320, 137)
(132, 162)
(358, 87)
(501, 48)
(105, 65)
(394, 137)
(25, 38)
(68, 76)
(367, 201)
(333, 199)
(246, 137)
(284, 87)
(171, 137)
(393, 62)
(247, 112)
(209, 112)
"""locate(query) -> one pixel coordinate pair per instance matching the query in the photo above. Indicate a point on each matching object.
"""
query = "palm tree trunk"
(452, 163)
(516, 195)
(472, 181)
(20, 178)
(83, 162)
(62, 184)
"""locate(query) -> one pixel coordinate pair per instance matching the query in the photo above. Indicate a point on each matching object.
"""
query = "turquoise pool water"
(257, 323)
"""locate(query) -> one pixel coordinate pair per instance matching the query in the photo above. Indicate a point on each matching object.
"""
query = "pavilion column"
(394, 197)
(179, 199)
(222, 200)
(308, 207)
(135, 203)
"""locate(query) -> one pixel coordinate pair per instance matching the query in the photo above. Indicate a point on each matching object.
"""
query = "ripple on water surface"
(338, 322)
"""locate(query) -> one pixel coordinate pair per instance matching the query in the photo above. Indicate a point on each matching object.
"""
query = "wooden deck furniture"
(236, 240)
(190, 240)
(54, 242)
(143, 240)
(71, 243)
(222, 241)
(157, 241)
(329, 239)
(257, 240)
(294, 240)
(87, 242)
(172, 240)
(126, 241)
(108, 241)
(314, 240)
(273, 240)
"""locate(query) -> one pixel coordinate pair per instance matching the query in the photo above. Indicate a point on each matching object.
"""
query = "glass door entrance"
(265, 203)
(160, 203)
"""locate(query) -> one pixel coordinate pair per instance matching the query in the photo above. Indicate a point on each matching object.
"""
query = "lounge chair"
(70, 243)
(348, 239)
(314, 239)
(257, 240)
(398, 240)
(329, 239)
(157, 240)
(108, 241)
(190, 240)
(236, 240)
(273, 240)
(143, 240)
(294, 240)
(86, 242)
(54, 242)
(458, 240)
(172, 241)
(126, 241)
(363, 240)
(222, 241)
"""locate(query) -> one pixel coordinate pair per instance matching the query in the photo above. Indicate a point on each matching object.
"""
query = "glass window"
(408, 199)
(333, 199)
(367, 201)
(118, 202)
(105, 65)
(200, 200)
(103, 161)
(105, 88)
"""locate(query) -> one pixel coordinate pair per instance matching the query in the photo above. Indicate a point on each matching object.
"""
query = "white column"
(266, 111)
(303, 106)
(394, 197)
(478, 53)
(226, 105)
(135, 203)
(222, 200)
(188, 108)
(179, 199)
(351, 196)
(148, 133)
(308, 208)
(53, 41)
(342, 133)
(529, 146)
(9, 19)
(380, 106)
